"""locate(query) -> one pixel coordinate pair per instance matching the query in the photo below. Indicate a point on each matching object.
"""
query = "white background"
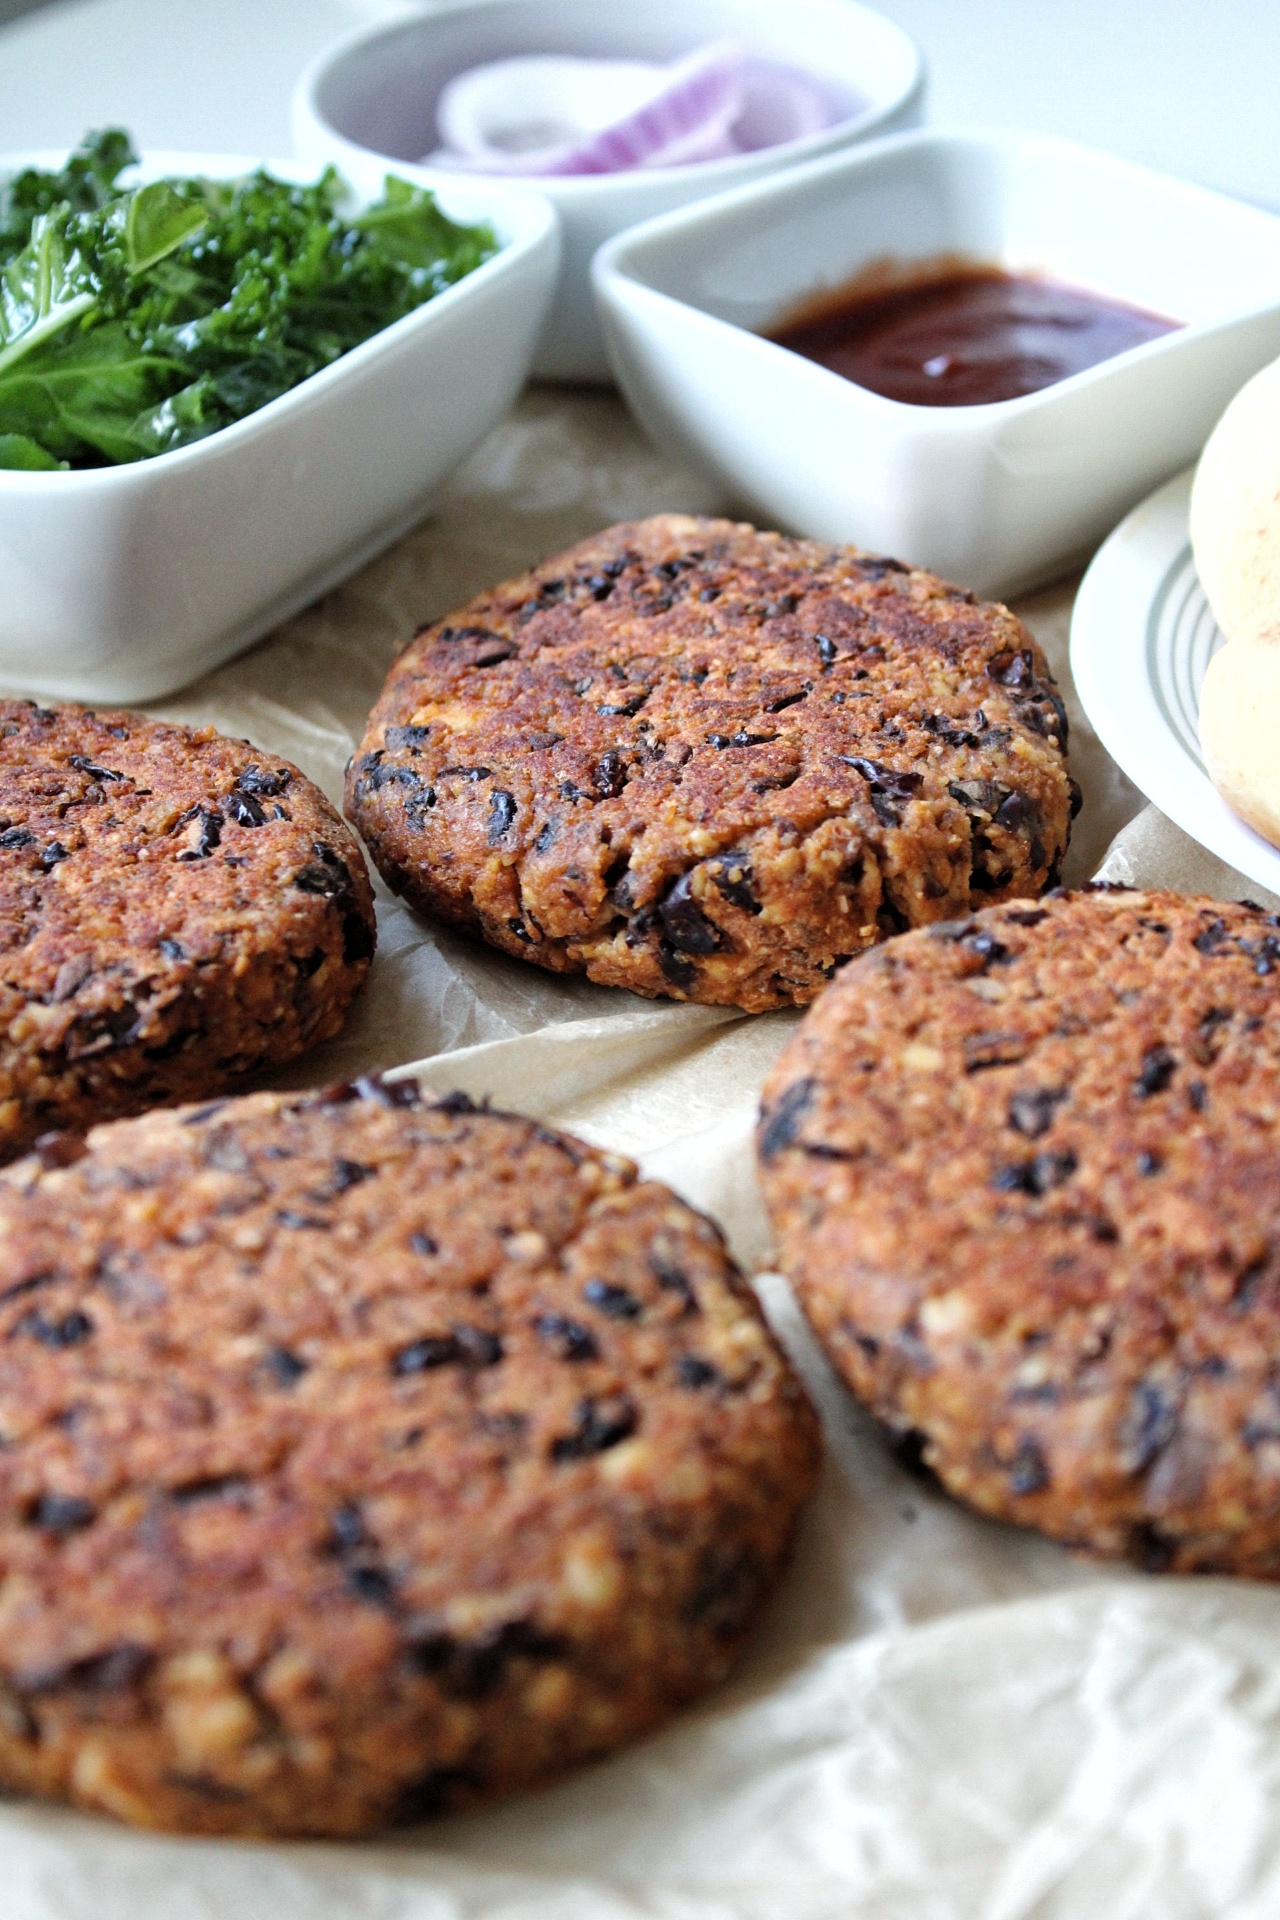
(1192, 86)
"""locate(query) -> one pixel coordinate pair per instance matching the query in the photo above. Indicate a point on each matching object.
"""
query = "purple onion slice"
(690, 119)
(546, 116)
(782, 103)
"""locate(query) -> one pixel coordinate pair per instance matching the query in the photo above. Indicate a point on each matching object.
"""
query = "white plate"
(1142, 635)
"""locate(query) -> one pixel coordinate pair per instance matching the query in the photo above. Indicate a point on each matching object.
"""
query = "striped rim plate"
(1141, 638)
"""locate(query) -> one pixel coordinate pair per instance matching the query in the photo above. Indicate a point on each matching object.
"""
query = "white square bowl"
(122, 583)
(998, 497)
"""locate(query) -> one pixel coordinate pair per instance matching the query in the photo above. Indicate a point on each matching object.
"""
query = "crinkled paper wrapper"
(940, 1718)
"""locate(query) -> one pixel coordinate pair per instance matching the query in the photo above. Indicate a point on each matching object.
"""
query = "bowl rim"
(610, 265)
(634, 183)
(538, 220)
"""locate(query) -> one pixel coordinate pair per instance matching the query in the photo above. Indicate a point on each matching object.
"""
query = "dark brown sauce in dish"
(966, 335)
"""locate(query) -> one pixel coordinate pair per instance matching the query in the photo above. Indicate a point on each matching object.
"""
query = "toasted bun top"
(1235, 512)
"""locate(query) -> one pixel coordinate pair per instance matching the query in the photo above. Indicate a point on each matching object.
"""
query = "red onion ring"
(716, 103)
(782, 103)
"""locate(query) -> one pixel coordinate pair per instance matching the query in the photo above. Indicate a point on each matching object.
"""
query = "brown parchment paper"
(941, 1718)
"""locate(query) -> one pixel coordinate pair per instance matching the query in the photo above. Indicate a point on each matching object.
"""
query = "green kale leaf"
(27, 456)
(42, 289)
(85, 184)
(137, 320)
(80, 396)
(159, 219)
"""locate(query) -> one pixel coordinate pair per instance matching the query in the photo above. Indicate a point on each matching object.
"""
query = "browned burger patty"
(696, 760)
(176, 909)
(366, 1456)
(1025, 1175)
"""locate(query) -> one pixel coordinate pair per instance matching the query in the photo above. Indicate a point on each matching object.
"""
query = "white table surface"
(1186, 85)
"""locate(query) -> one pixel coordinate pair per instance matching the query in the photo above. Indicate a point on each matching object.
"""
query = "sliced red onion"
(540, 104)
(690, 119)
(626, 115)
(675, 115)
(786, 103)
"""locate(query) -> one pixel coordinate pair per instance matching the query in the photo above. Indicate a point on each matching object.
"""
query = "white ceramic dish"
(997, 497)
(1142, 636)
(122, 583)
(370, 102)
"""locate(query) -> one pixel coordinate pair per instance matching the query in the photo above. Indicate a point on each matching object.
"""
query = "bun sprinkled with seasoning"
(709, 763)
(177, 910)
(1024, 1171)
(1235, 534)
(367, 1455)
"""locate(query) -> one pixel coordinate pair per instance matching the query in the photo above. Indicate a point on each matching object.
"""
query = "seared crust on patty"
(176, 910)
(704, 762)
(1024, 1172)
(367, 1455)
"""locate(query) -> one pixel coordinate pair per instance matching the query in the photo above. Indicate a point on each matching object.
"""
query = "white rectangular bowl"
(998, 497)
(122, 583)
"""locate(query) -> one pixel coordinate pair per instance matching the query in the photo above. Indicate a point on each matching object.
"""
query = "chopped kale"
(137, 319)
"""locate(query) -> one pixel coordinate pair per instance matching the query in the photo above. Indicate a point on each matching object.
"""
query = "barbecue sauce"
(965, 335)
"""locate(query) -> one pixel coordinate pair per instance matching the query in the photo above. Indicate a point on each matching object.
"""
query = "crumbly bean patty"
(704, 762)
(1025, 1175)
(366, 1455)
(176, 910)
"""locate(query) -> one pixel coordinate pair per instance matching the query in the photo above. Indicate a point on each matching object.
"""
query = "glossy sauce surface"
(966, 336)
